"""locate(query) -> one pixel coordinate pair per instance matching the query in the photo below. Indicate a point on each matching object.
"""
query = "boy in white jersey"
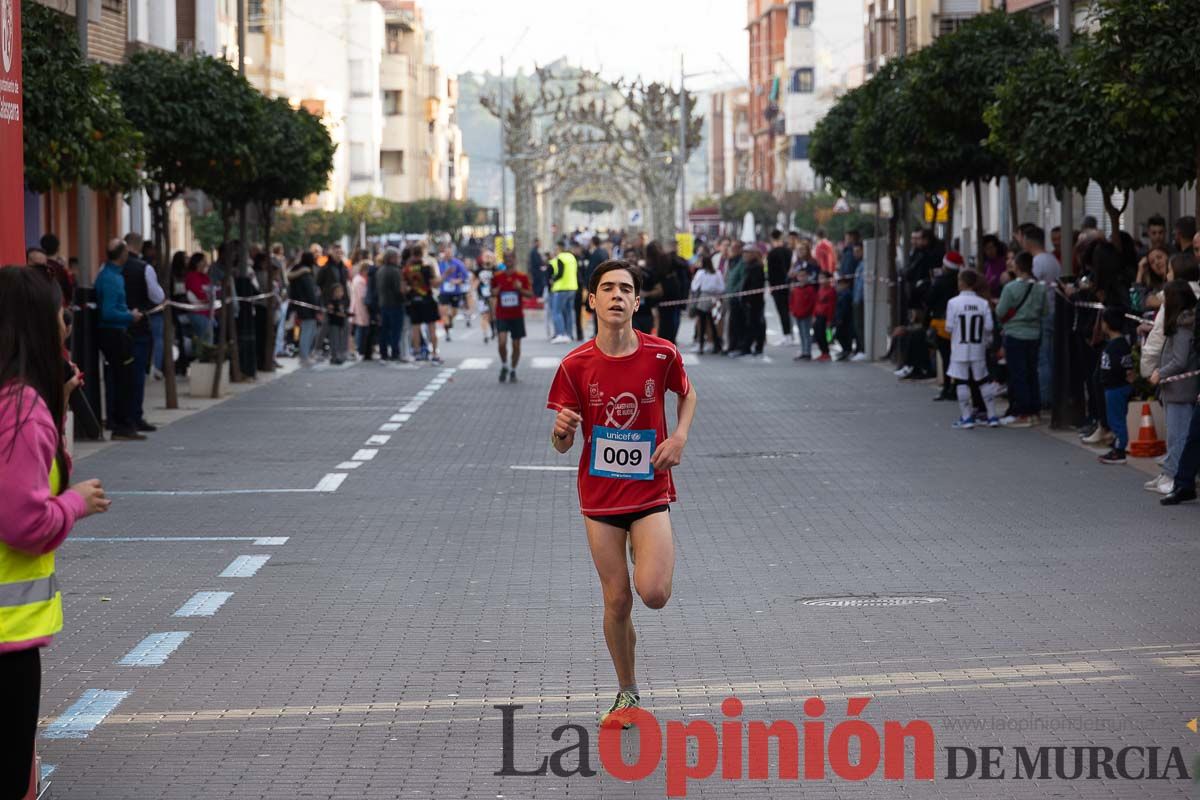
(969, 325)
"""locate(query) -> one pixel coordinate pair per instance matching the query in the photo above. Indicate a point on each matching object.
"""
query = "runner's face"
(615, 300)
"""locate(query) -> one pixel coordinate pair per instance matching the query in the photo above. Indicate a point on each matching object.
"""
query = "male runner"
(455, 286)
(615, 385)
(509, 288)
(969, 326)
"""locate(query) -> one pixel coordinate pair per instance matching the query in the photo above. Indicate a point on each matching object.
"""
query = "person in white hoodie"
(1183, 267)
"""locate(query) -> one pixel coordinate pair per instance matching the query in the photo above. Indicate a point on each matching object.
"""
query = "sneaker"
(859, 357)
(146, 427)
(1100, 436)
(993, 422)
(963, 424)
(1159, 485)
(903, 372)
(1087, 430)
(824, 358)
(512, 376)
(156, 374)
(1161, 460)
(614, 715)
(504, 373)
(1113, 456)
(127, 435)
(1015, 422)
(435, 359)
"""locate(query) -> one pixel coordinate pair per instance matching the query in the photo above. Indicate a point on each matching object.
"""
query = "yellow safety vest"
(569, 282)
(30, 603)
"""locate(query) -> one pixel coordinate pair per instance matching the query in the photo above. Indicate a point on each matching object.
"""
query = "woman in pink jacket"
(37, 511)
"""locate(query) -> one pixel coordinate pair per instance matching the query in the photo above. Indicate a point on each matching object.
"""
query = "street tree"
(762, 205)
(295, 158)
(198, 119)
(956, 78)
(75, 130)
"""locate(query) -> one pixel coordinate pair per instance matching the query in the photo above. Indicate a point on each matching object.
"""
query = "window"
(393, 103)
(802, 80)
(802, 13)
(800, 148)
(391, 162)
(256, 16)
(395, 39)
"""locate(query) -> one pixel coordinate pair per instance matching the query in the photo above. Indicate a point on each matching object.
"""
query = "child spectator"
(1115, 374)
(969, 326)
(1179, 396)
(337, 309)
(801, 303)
(844, 322)
(824, 313)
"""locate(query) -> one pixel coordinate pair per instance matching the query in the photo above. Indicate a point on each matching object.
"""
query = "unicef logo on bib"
(618, 453)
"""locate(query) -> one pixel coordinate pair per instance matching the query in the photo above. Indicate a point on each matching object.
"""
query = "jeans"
(202, 327)
(156, 331)
(1022, 356)
(1045, 363)
(1116, 402)
(860, 317)
(392, 327)
(1179, 417)
(804, 325)
(143, 345)
(308, 336)
(562, 304)
(281, 329)
(362, 339)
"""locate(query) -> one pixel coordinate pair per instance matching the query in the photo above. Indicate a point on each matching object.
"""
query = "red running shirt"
(506, 288)
(626, 393)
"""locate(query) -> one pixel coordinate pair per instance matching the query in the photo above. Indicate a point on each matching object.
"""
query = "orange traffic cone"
(1148, 444)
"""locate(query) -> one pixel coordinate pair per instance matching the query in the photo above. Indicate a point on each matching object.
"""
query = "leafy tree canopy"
(763, 205)
(75, 128)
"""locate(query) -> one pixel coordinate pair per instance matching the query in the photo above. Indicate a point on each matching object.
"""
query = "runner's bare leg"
(608, 553)
(654, 558)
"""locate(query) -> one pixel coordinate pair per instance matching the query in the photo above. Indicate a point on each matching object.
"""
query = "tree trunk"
(524, 220)
(893, 270)
(978, 224)
(162, 241)
(662, 214)
(1197, 198)
(950, 217)
(1012, 202)
(266, 217)
(226, 285)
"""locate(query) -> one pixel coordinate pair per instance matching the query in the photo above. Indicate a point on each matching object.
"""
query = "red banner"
(12, 148)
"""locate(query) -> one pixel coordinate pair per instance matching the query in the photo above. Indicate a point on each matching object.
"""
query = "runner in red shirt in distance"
(615, 387)
(509, 287)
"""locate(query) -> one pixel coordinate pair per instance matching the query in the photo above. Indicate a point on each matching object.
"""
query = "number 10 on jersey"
(618, 453)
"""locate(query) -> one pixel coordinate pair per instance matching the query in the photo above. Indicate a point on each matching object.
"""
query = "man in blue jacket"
(115, 343)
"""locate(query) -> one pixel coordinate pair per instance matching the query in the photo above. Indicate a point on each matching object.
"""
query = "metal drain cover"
(870, 601)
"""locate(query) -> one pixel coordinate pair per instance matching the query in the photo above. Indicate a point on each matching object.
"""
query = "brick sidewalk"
(363, 658)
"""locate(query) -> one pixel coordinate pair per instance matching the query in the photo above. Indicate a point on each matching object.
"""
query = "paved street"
(374, 619)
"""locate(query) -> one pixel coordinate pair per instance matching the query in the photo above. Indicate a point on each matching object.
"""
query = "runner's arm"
(670, 452)
(563, 434)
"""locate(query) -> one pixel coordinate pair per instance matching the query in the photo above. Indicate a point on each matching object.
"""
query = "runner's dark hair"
(612, 265)
(31, 350)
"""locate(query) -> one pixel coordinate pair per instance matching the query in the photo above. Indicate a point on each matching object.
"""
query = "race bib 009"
(618, 453)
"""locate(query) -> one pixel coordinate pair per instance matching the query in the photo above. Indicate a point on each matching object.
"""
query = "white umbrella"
(748, 228)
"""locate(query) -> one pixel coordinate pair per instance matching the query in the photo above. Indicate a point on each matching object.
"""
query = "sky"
(619, 37)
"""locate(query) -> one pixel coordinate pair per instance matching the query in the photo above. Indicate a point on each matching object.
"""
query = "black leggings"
(21, 677)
